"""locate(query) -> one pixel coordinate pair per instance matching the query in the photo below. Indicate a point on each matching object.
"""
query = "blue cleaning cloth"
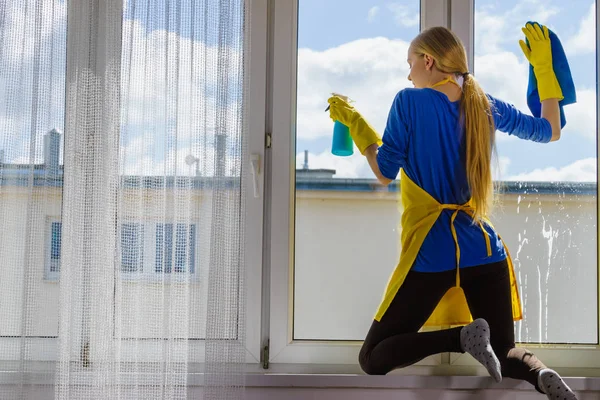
(563, 75)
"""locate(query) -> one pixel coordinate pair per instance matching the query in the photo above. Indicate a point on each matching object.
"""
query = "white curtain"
(122, 140)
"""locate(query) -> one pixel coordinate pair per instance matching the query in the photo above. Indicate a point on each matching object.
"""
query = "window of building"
(185, 248)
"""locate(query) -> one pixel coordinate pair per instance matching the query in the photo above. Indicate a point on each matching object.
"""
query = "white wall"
(146, 302)
(16, 248)
(346, 247)
(347, 244)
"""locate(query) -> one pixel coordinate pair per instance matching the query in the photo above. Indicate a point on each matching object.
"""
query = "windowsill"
(404, 382)
(332, 376)
(442, 377)
(330, 381)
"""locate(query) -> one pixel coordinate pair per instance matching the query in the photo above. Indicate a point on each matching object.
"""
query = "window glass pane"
(192, 248)
(32, 108)
(185, 247)
(548, 212)
(132, 247)
(56, 241)
(164, 247)
(346, 239)
(180, 248)
(52, 263)
(182, 91)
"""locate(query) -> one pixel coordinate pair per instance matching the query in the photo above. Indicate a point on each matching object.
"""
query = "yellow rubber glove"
(539, 54)
(361, 132)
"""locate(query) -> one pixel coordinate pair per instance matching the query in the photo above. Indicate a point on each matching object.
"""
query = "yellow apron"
(420, 213)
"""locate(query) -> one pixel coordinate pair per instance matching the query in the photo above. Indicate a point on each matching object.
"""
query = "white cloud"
(373, 11)
(497, 30)
(500, 167)
(159, 116)
(584, 41)
(490, 71)
(403, 15)
(22, 28)
(353, 69)
(166, 120)
(491, 74)
(20, 31)
(579, 171)
(148, 93)
(357, 67)
(488, 33)
(581, 116)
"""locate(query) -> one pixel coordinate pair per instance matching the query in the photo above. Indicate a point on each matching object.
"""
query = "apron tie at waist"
(471, 211)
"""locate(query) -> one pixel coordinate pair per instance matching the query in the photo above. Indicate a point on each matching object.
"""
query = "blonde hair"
(450, 57)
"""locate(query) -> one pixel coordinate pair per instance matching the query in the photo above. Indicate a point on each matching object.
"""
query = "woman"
(454, 266)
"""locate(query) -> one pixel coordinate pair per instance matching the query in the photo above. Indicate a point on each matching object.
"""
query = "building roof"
(20, 174)
(508, 187)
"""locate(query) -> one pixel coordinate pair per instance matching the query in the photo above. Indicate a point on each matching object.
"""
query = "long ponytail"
(450, 57)
(476, 115)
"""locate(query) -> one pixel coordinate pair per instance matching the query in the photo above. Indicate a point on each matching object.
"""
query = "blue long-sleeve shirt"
(423, 137)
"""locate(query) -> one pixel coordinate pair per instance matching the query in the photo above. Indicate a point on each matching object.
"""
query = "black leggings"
(395, 342)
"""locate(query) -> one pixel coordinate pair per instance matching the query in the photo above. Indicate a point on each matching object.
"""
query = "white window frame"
(556, 355)
(255, 64)
(255, 163)
(284, 352)
(253, 184)
(290, 355)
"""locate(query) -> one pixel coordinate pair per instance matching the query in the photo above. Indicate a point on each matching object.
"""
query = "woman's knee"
(368, 365)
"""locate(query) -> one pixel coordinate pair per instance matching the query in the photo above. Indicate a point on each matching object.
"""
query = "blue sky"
(358, 47)
(339, 50)
(325, 24)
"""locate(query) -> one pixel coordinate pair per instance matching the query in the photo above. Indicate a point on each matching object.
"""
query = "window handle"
(255, 165)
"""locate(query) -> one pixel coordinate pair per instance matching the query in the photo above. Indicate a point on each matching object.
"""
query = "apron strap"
(444, 81)
(453, 229)
(469, 210)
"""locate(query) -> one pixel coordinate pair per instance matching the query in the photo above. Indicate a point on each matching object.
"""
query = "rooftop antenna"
(305, 166)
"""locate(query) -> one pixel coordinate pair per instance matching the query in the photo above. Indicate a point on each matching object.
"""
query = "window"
(549, 207)
(324, 273)
(334, 238)
(53, 259)
(185, 248)
(135, 246)
(334, 198)
(132, 247)
(32, 110)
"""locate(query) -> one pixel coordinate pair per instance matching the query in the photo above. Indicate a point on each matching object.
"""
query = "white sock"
(555, 388)
(475, 340)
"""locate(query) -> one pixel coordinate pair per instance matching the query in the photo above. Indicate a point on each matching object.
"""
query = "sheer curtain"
(121, 198)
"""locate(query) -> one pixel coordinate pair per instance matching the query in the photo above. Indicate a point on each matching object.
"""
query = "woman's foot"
(475, 340)
(555, 388)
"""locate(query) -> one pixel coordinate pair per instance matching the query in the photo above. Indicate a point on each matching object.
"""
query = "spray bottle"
(342, 144)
